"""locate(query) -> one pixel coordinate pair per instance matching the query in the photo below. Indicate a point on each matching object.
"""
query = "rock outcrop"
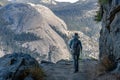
(109, 35)
(109, 42)
(19, 66)
(33, 29)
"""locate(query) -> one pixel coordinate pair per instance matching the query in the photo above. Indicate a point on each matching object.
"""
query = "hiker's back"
(75, 43)
(76, 46)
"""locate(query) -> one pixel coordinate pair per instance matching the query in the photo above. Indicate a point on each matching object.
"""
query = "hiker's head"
(76, 35)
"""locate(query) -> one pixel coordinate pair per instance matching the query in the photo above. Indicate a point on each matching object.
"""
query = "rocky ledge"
(19, 66)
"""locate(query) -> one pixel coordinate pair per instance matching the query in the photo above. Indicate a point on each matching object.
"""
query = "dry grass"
(104, 65)
(35, 72)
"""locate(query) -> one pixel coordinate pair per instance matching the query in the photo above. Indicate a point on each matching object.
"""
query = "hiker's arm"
(70, 43)
(80, 47)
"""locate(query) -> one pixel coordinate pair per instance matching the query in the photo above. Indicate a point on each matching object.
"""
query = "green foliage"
(98, 16)
(103, 1)
(80, 58)
(9, 44)
(26, 37)
(99, 13)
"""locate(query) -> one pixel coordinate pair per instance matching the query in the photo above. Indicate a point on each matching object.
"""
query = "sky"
(72, 1)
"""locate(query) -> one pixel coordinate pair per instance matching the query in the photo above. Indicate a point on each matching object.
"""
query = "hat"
(76, 35)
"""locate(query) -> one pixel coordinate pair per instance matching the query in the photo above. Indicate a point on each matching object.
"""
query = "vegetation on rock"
(99, 13)
(26, 37)
(103, 1)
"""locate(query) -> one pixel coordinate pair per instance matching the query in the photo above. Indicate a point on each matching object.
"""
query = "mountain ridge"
(80, 16)
(19, 18)
(40, 20)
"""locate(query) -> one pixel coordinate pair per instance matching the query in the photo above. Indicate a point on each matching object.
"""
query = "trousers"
(76, 61)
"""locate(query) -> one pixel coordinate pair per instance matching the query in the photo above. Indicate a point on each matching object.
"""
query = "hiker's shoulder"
(71, 40)
(79, 40)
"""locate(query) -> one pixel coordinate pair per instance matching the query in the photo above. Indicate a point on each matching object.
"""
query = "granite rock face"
(32, 29)
(110, 32)
(109, 42)
(19, 66)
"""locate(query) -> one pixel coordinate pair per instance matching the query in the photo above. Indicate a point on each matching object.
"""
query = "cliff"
(110, 33)
(19, 66)
(33, 29)
(109, 42)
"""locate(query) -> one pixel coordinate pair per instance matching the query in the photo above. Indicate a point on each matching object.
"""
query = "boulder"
(109, 42)
(20, 66)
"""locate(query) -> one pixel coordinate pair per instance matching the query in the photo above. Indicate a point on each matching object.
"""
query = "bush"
(103, 1)
(99, 13)
(98, 16)
(106, 64)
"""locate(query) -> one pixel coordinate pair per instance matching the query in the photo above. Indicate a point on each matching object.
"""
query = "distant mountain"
(32, 29)
(48, 3)
(35, 29)
(80, 16)
(26, 1)
(51, 2)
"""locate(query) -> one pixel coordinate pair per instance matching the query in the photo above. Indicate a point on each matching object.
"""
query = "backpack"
(75, 46)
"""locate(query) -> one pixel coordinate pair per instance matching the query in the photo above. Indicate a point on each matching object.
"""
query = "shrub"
(98, 16)
(99, 13)
(103, 1)
(26, 37)
(106, 64)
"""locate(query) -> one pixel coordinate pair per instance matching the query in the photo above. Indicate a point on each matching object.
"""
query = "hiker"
(75, 48)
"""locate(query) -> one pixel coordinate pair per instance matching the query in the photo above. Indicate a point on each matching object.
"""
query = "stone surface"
(49, 33)
(18, 19)
(109, 42)
(19, 66)
(63, 70)
(110, 33)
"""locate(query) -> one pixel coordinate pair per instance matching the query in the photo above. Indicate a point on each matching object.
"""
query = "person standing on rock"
(75, 48)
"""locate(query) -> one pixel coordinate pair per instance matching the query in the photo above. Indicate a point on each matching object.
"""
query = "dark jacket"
(79, 43)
